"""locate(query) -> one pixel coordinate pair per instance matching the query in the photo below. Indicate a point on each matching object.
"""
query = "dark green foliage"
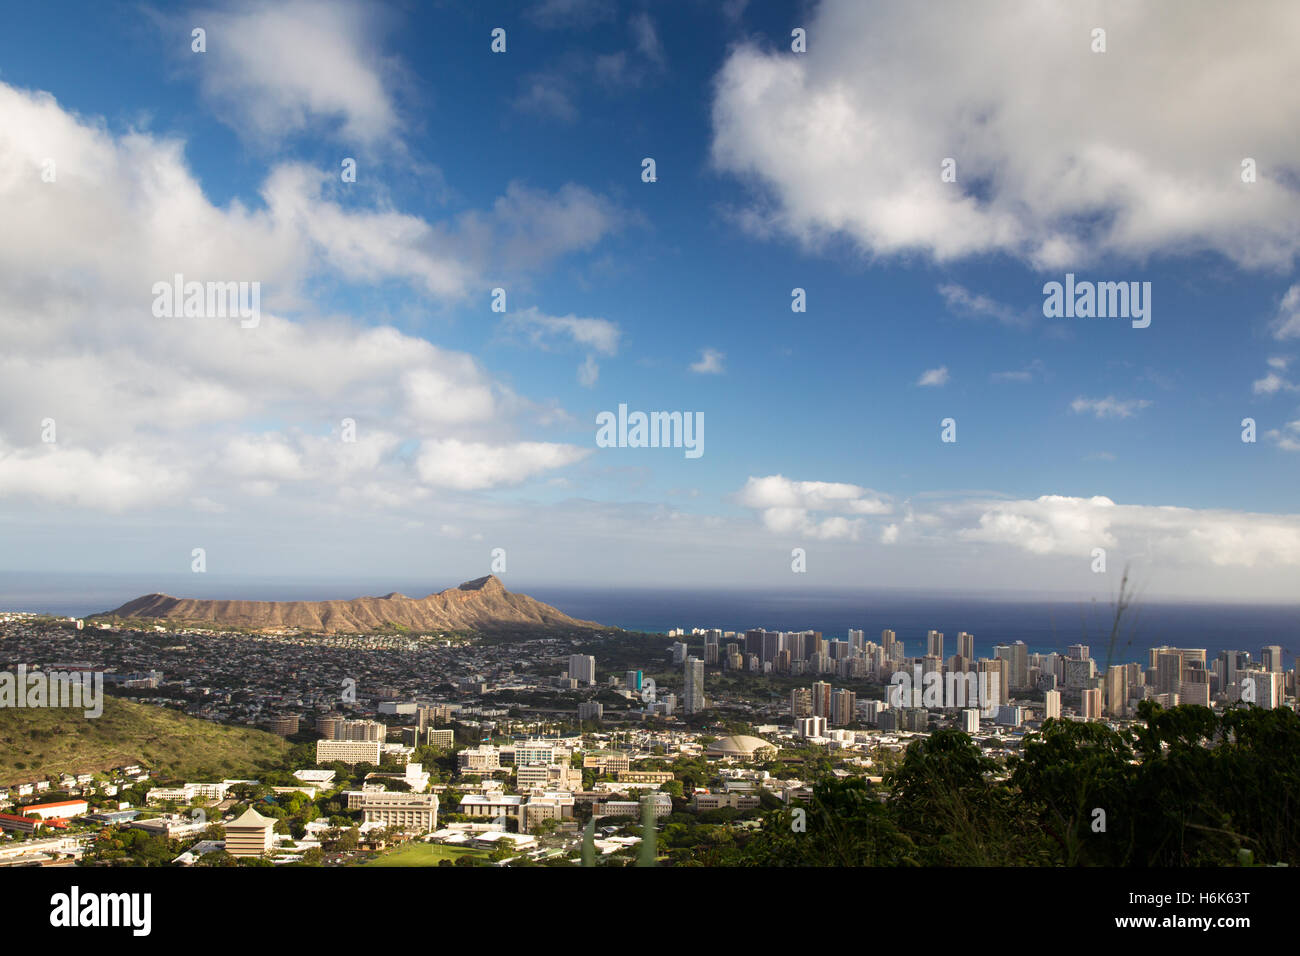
(1185, 787)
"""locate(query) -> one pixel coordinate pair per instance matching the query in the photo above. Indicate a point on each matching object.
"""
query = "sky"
(920, 171)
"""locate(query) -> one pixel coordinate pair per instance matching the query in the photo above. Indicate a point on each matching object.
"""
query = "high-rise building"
(1271, 657)
(993, 674)
(633, 679)
(970, 720)
(1267, 686)
(1090, 703)
(844, 705)
(801, 703)
(1052, 704)
(934, 644)
(1169, 671)
(1077, 652)
(966, 645)
(821, 699)
(1116, 691)
(855, 639)
(1079, 672)
(582, 668)
(693, 697)
(1016, 656)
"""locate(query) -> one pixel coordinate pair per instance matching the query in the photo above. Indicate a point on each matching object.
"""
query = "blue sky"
(522, 170)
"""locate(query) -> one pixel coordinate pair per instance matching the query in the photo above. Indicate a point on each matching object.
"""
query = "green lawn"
(423, 854)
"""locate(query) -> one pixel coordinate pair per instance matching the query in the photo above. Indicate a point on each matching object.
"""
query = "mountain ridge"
(479, 604)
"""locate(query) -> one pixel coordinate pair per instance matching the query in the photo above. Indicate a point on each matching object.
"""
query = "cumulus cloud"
(152, 410)
(934, 377)
(297, 65)
(813, 509)
(467, 465)
(848, 141)
(1050, 525)
(1060, 525)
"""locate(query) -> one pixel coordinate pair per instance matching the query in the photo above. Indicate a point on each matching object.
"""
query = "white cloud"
(710, 363)
(468, 465)
(964, 302)
(646, 37)
(158, 411)
(1060, 525)
(1177, 538)
(847, 141)
(599, 335)
(288, 67)
(1109, 407)
(813, 509)
(1287, 437)
(934, 377)
(1287, 323)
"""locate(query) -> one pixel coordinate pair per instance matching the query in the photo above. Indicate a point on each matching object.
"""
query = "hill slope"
(37, 742)
(481, 604)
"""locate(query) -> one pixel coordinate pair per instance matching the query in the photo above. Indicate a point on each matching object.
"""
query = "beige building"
(709, 800)
(250, 835)
(408, 812)
(546, 806)
(484, 759)
(643, 776)
(348, 751)
(553, 777)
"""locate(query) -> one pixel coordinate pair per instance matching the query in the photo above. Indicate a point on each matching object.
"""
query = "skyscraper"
(1116, 688)
(693, 698)
(966, 645)
(934, 644)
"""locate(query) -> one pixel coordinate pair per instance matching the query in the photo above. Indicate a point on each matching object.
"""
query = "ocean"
(1044, 624)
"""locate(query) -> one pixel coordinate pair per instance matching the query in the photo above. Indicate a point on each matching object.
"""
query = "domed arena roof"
(740, 745)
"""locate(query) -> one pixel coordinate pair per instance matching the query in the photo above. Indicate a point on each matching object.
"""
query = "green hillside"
(35, 743)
